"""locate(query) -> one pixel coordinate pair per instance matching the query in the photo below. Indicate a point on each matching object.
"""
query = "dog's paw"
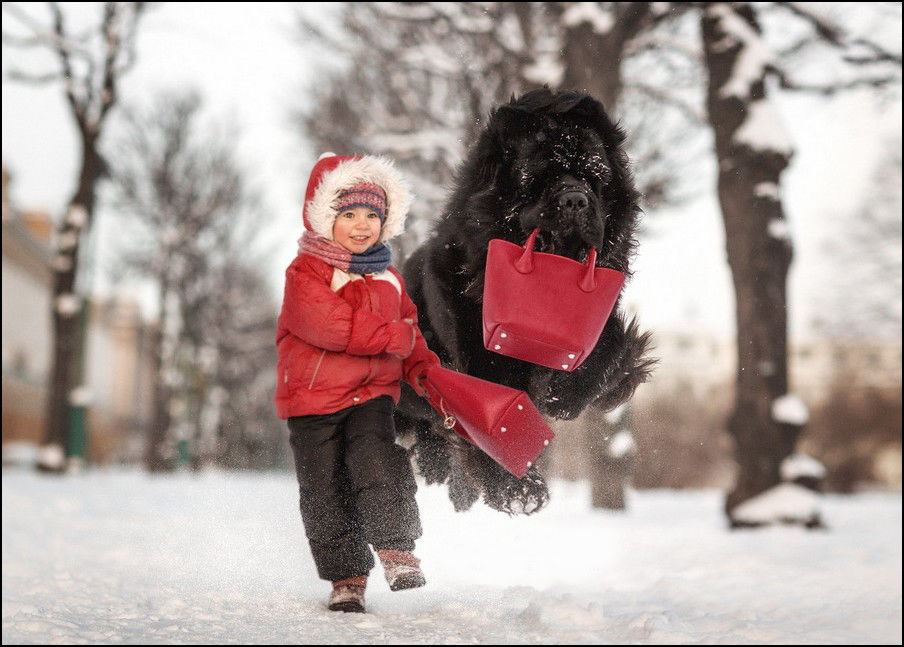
(507, 493)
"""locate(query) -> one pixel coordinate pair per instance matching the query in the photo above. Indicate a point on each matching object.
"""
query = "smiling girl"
(347, 335)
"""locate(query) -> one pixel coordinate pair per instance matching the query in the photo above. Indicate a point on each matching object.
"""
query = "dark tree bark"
(759, 252)
(66, 308)
(593, 58)
(90, 70)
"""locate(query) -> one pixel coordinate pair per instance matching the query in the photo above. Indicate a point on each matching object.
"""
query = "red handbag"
(500, 420)
(544, 308)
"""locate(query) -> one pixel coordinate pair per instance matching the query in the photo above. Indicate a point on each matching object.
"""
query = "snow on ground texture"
(221, 558)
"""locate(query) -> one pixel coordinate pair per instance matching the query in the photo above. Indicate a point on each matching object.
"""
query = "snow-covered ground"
(123, 557)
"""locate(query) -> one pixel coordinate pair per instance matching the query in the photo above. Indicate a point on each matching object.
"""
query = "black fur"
(533, 151)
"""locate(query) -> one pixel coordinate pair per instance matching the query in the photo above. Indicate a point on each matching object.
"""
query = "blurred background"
(155, 156)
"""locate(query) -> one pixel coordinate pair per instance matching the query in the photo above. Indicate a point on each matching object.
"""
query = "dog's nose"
(573, 201)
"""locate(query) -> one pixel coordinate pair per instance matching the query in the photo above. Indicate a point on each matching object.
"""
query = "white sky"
(249, 68)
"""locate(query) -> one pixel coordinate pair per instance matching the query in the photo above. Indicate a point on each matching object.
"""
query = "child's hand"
(402, 339)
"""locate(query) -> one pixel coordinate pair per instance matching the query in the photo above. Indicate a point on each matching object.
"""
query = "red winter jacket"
(342, 339)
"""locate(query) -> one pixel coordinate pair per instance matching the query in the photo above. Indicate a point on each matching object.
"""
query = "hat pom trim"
(371, 169)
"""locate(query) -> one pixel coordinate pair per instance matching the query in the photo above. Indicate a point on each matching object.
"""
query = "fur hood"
(332, 173)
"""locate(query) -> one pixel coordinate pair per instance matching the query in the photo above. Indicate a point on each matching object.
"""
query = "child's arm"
(316, 314)
(421, 357)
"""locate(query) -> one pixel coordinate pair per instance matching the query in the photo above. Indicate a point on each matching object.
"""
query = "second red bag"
(500, 420)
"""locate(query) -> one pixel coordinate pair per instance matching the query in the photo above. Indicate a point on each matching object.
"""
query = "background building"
(118, 364)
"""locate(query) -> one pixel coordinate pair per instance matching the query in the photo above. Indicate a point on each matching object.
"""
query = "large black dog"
(548, 160)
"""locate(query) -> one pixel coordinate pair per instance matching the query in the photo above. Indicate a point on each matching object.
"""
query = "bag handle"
(525, 263)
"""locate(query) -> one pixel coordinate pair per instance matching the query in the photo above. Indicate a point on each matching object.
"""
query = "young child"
(347, 335)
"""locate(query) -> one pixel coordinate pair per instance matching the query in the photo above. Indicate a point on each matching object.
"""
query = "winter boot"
(348, 595)
(402, 569)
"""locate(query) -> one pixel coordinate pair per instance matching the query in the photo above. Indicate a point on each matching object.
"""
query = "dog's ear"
(507, 124)
(497, 143)
(594, 113)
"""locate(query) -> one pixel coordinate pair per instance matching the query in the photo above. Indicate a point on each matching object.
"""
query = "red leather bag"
(544, 308)
(500, 420)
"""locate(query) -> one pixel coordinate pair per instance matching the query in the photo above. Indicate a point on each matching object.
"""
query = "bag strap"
(436, 400)
(525, 262)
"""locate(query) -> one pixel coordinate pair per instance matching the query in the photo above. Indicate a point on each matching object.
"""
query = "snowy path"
(220, 558)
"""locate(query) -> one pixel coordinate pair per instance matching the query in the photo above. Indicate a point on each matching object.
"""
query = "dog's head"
(555, 161)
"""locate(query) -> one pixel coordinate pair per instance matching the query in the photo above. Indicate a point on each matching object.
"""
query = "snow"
(617, 415)
(68, 240)
(51, 456)
(790, 409)
(763, 130)
(778, 228)
(62, 263)
(81, 396)
(508, 32)
(801, 466)
(753, 59)
(599, 18)
(546, 69)
(68, 304)
(77, 216)
(622, 444)
(786, 502)
(767, 190)
(124, 557)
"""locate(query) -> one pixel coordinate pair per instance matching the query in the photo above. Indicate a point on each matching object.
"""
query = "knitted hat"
(335, 176)
(362, 194)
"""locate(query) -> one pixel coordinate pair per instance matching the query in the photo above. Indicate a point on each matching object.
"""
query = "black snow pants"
(356, 487)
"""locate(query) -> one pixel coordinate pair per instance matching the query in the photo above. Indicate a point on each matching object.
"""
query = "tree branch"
(880, 54)
(825, 29)
(659, 94)
(829, 89)
(33, 79)
(63, 53)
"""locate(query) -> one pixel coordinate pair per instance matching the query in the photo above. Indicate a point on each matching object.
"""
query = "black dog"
(548, 160)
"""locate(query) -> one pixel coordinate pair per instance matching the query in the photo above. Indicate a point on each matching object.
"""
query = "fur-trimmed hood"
(332, 173)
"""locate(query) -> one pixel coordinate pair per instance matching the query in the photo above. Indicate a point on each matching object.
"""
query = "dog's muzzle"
(573, 203)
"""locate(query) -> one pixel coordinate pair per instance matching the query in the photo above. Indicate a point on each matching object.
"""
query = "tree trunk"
(66, 307)
(158, 457)
(759, 251)
(593, 58)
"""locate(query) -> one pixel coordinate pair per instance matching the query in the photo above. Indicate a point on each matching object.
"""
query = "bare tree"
(753, 150)
(193, 222)
(248, 432)
(90, 66)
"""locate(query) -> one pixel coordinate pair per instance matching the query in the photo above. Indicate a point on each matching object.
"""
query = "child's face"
(357, 229)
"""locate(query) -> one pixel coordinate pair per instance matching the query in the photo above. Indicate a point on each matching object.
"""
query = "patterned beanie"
(362, 194)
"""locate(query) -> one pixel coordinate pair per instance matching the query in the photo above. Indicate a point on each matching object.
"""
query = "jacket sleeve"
(316, 314)
(421, 357)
